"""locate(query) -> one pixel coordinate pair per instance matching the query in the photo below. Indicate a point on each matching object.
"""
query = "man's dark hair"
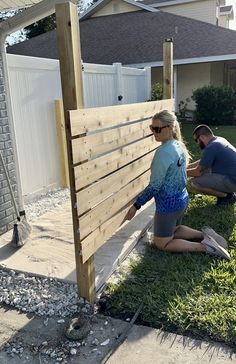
(202, 130)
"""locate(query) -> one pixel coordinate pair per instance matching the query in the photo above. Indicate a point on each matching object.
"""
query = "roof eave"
(28, 16)
(176, 62)
(101, 3)
(171, 2)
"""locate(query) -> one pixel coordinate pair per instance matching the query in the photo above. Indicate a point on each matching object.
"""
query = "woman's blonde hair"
(169, 118)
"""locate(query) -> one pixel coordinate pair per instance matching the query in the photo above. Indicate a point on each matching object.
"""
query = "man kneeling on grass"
(215, 173)
(168, 186)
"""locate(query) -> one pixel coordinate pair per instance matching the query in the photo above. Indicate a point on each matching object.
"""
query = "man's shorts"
(215, 181)
(166, 222)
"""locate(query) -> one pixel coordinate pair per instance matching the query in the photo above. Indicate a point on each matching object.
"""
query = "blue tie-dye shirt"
(168, 179)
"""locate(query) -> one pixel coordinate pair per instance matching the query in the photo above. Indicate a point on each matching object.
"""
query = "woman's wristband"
(136, 206)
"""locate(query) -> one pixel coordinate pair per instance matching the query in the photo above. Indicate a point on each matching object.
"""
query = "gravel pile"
(40, 296)
(46, 202)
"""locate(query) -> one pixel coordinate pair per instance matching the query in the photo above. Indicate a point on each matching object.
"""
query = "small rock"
(73, 351)
(95, 342)
(106, 342)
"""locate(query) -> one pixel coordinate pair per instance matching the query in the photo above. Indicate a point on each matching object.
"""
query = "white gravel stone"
(106, 342)
(40, 296)
(46, 202)
(73, 351)
(95, 342)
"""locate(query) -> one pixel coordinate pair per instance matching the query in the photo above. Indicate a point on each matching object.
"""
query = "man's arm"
(194, 172)
(194, 164)
(194, 169)
(197, 171)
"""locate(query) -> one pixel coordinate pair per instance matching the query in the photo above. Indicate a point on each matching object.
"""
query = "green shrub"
(156, 92)
(215, 105)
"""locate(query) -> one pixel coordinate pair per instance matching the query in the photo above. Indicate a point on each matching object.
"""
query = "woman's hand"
(131, 213)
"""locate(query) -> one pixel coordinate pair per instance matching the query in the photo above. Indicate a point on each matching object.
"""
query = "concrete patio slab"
(50, 249)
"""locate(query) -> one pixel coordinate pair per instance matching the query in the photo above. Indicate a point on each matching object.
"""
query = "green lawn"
(190, 294)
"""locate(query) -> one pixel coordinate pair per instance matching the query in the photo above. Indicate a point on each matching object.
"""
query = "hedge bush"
(215, 105)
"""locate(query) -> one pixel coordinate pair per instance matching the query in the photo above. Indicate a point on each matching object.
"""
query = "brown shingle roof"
(137, 37)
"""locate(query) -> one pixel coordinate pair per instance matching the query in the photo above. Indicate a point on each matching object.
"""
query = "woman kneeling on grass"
(168, 186)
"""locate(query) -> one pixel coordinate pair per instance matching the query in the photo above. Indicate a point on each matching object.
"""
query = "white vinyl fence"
(34, 86)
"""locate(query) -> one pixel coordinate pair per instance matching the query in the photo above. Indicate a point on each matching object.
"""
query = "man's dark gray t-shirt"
(220, 156)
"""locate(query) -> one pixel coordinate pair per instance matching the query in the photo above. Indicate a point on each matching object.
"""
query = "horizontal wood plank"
(99, 236)
(85, 120)
(96, 193)
(90, 146)
(109, 207)
(93, 170)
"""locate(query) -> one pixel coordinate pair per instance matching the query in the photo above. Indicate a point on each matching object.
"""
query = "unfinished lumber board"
(85, 120)
(109, 207)
(93, 170)
(99, 236)
(68, 40)
(89, 146)
(99, 191)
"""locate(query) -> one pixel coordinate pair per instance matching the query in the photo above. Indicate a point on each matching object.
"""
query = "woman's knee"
(161, 243)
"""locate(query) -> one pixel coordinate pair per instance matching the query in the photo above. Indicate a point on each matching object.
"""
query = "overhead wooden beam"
(29, 16)
(68, 38)
(168, 69)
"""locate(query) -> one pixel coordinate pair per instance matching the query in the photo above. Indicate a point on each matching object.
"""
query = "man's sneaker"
(218, 238)
(229, 199)
(213, 248)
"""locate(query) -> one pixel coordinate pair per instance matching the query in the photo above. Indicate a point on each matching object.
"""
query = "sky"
(232, 23)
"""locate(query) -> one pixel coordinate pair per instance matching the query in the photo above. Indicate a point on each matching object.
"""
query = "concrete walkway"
(145, 345)
(50, 249)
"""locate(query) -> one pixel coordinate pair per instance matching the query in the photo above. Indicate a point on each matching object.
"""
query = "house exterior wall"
(115, 7)
(223, 21)
(7, 215)
(189, 78)
(217, 73)
(199, 10)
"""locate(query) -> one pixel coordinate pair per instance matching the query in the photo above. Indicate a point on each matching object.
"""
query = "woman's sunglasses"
(157, 129)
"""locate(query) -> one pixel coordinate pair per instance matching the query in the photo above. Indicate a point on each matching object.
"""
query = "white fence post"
(119, 83)
(148, 81)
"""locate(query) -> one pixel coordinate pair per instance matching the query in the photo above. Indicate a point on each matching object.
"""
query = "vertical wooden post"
(68, 39)
(61, 137)
(168, 69)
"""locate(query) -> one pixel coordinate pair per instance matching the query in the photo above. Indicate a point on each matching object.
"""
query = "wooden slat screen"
(112, 150)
